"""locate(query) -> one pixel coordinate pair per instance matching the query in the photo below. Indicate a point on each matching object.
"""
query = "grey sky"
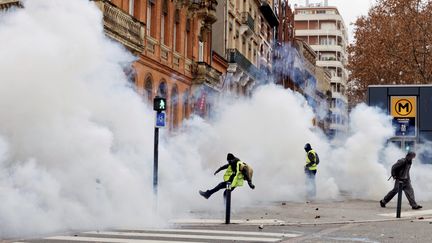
(350, 10)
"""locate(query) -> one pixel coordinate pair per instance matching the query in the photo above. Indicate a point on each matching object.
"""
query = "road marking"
(112, 240)
(186, 236)
(219, 221)
(244, 233)
(409, 214)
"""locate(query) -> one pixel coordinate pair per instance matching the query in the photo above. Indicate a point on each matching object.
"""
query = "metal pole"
(155, 164)
(399, 201)
(228, 203)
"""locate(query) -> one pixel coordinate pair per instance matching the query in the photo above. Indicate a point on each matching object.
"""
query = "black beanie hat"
(230, 156)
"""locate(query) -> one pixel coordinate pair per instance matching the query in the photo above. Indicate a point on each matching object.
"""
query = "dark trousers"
(220, 186)
(310, 183)
(406, 187)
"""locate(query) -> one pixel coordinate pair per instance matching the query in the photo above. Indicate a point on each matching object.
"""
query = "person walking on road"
(312, 160)
(236, 172)
(400, 173)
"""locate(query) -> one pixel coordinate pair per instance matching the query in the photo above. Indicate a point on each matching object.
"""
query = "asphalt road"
(343, 221)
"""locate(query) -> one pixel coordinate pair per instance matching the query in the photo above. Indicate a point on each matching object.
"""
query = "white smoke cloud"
(76, 143)
(76, 138)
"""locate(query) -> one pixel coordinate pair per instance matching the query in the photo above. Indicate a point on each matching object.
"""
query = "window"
(162, 90)
(150, 17)
(131, 7)
(163, 28)
(328, 26)
(176, 31)
(200, 51)
(188, 39)
(148, 88)
(185, 104)
(174, 107)
(136, 9)
(164, 22)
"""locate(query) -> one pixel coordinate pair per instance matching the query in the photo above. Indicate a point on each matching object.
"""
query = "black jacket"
(401, 169)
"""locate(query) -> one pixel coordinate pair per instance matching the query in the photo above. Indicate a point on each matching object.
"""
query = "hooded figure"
(236, 172)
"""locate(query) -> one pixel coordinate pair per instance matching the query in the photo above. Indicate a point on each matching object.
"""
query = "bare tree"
(393, 45)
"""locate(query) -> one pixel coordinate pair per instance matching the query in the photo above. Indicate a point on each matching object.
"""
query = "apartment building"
(323, 28)
(244, 34)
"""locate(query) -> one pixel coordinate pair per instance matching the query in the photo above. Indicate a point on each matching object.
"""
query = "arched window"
(174, 107)
(148, 88)
(163, 89)
(185, 104)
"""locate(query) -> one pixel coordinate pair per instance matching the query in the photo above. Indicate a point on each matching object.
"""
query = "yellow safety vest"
(238, 179)
(314, 165)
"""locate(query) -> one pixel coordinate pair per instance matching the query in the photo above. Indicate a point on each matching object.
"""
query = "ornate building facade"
(172, 40)
(244, 35)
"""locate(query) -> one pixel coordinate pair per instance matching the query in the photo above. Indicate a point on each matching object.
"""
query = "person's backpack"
(317, 158)
(394, 170)
(247, 169)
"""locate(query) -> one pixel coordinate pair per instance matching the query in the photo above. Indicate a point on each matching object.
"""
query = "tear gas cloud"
(76, 143)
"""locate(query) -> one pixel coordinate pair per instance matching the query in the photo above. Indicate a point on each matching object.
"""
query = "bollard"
(399, 200)
(228, 203)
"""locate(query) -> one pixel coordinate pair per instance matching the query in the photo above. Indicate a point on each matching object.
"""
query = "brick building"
(173, 42)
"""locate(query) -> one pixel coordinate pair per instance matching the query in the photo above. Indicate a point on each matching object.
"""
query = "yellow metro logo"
(403, 106)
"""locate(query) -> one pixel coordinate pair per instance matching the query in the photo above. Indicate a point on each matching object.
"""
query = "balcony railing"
(234, 56)
(246, 19)
(121, 26)
(5, 4)
(204, 73)
(268, 13)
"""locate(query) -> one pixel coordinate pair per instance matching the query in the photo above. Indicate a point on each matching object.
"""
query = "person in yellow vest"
(312, 160)
(236, 172)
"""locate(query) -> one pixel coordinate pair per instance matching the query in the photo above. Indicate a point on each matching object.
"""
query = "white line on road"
(409, 214)
(235, 221)
(243, 233)
(185, 236)
(111, 240)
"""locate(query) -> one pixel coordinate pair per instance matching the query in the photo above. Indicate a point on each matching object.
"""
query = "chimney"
(307, 3)
(325, 2)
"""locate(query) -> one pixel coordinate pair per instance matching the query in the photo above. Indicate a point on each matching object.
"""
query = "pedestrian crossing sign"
(160, 119)
(159, 104)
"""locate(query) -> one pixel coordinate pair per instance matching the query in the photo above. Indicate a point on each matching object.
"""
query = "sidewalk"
(312, 213)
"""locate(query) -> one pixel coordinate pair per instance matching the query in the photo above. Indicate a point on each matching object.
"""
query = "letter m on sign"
(405, 106)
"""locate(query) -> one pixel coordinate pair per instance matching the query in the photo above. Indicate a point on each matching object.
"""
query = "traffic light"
(159, 104)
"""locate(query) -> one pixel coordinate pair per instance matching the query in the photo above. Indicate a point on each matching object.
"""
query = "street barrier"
(228, 203)
(399, 200)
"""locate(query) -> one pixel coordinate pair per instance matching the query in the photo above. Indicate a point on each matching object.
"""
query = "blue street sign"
(160, 119)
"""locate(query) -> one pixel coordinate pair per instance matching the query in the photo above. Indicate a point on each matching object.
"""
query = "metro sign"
(403, 106)
(404, 112)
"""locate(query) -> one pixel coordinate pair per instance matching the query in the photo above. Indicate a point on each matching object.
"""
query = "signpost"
(404, 112)
(159, 105)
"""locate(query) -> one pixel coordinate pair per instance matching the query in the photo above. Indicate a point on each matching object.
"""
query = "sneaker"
(417, 207)
(204, 194)
(252, 186)
(382, 204)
